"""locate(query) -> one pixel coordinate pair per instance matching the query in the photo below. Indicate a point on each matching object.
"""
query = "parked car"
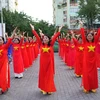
(56, 47)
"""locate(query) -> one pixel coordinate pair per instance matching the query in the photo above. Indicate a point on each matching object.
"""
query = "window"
(64, 12)
(74, 10)
(73, 2)
(64, 0)
(73, 19)
(65, 20)
(6, 1)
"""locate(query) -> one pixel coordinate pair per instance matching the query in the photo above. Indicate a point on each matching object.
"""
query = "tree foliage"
(89, 10)
(22, 21)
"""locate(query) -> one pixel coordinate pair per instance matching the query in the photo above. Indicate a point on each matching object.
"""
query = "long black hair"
(91, 34)
(17, 39)
(49, 43)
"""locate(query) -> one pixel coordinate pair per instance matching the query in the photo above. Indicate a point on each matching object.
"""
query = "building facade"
(11, 5)
(65, 13)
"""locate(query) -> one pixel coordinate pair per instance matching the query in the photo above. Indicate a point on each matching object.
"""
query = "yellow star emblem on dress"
(15, 48)
(45, 49)
(72, 46)
(81, 48)
(91, 48)
(22, 47)
(67, 44)
(31, 45)
(27, 46)
(1, 52)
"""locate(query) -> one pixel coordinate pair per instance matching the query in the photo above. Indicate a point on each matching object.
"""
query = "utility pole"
(2, 19)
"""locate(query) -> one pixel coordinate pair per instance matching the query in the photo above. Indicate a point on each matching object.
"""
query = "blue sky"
(41, 9)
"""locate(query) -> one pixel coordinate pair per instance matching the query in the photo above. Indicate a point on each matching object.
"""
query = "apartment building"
(11, 5)
(65, 13)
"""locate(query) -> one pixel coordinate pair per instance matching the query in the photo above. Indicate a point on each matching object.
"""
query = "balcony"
(74, 3)
(62, 5)
(59, 6)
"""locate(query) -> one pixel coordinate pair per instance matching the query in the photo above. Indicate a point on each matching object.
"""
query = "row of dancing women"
(24, 52)
(84, 61)
(82, 53)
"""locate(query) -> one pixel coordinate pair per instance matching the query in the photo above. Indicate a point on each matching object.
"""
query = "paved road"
(68, 86)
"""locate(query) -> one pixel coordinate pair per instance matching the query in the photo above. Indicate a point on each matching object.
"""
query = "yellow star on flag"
(81, 48)
(45, 49)
(15, 48)
(91, 48)
(1, 52)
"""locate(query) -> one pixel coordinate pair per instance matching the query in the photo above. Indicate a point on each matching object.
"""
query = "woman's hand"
(81, 23)
(40, 30)
(60, 28)
(14, 33)
(32, 26)
(72, 34)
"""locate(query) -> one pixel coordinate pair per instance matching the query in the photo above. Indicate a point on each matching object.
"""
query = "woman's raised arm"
(96, 38)
(55, 36)
(35, 33)
(10, 39)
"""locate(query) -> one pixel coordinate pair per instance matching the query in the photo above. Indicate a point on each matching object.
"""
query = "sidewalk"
(68, 86)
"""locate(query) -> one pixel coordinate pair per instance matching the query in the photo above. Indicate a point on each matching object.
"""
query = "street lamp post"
(2, 19)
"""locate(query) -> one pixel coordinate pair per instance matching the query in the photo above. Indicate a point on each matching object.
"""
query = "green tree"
(89, 10)
(47, 28)
(22, 21)
(13, 19)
